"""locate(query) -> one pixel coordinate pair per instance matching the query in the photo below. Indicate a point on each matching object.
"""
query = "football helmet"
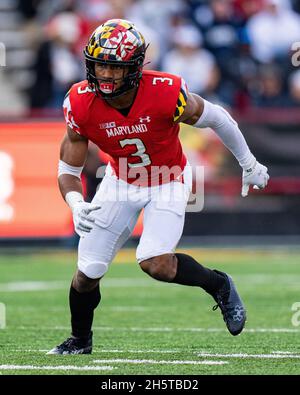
(116, 42)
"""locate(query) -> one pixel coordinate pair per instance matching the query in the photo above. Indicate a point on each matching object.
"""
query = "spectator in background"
(42, 10)
(156, 15)
(29, 8)
(296, 5)
(220, 27)
(273, 30)
(227, 52)
(270, 89)
(97, 11)
(294, 87)
(195, 64)
(245, 9)
(153, 54)
(221, 30)
(58, 64)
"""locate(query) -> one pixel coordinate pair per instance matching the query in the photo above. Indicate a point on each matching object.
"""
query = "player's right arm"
(73, 152)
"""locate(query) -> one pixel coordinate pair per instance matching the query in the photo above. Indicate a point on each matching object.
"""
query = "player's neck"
(123, 101)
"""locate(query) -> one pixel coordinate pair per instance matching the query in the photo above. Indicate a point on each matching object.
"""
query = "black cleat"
(231, 305)
(74, 345)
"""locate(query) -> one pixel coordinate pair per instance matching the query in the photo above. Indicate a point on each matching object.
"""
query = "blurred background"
(237, 53)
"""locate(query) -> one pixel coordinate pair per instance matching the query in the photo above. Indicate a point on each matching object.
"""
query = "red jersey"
(144, 145)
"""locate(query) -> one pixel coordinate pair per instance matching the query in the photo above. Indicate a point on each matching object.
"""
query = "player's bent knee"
(82, 283)
(93, 270)
(162, 267)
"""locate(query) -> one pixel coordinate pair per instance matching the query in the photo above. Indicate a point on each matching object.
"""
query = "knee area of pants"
(161, 268)
(93, 270)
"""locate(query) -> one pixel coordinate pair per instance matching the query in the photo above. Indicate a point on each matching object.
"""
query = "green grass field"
(146, 327)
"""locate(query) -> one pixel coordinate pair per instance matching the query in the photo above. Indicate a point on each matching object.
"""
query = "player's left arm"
(201, 113)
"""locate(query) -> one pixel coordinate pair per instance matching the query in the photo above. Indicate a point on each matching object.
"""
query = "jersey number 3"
(162, 80)
(141, 149)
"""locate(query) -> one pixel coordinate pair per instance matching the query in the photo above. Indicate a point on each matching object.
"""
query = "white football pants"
(121, 203)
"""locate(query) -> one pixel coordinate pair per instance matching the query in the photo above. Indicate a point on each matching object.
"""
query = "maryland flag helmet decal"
(116, 40)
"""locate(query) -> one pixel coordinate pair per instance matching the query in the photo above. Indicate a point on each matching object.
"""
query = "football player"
(134, 115)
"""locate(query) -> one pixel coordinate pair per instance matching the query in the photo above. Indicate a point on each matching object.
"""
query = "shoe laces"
(69, 343)
(224, 306)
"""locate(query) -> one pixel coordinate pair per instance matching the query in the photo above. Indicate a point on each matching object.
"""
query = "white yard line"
(155, 362)
(284, 352)
(22, 286)
(242, 355)
(137, 309)
(140, 351)
(62, 367)
(115, 351)
(275, 354)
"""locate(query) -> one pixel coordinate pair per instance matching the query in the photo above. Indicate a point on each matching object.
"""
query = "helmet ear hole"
(108, 46)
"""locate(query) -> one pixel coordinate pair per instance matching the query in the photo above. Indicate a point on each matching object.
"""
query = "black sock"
(190, 272)
(82, 307)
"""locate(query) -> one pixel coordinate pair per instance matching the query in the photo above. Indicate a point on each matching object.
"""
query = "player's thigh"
(114, 222)
(163, 226)
(98, 248)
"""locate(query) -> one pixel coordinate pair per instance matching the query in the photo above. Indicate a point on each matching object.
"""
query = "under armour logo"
(239, 313)
(146, 119)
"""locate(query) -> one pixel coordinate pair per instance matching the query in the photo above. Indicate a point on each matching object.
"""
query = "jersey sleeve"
(181, 101)
(69, 114)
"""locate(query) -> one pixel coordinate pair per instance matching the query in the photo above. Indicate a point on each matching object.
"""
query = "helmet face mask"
(116, 43)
